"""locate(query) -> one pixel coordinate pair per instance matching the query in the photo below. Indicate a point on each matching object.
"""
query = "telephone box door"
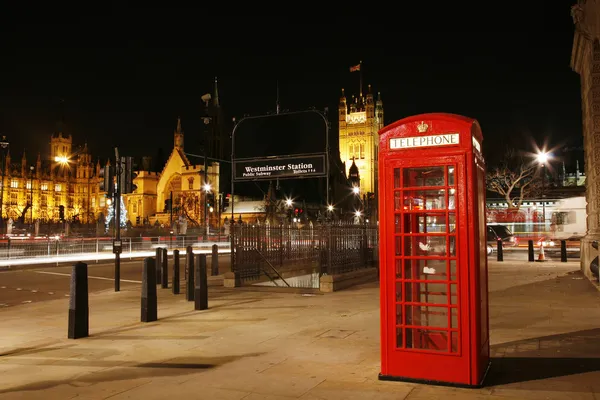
(427, 326)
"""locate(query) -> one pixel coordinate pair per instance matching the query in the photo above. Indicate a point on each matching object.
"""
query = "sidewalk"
(257, 344)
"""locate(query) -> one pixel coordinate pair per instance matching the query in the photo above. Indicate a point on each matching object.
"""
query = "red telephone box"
(433, 260)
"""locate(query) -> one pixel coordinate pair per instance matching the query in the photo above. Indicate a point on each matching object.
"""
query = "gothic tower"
(359, 123)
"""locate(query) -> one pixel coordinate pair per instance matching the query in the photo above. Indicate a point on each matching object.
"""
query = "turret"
(38, 166)
(8, 169)
(23, 165)
(379, 110)
(178, 135)
(370, 104)
(342, 110)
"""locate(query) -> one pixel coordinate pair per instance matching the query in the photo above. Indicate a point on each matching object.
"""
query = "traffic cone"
(541, 255)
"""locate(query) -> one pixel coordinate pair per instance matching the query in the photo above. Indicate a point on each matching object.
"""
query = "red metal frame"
(433, 263)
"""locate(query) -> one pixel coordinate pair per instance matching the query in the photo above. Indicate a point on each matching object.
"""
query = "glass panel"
(431, 222)
(453, 294)
(396, 178)
(452, 199)
(397, 226)
(398, 314)
(398, 291)
(454, 342)
(399, 343)
(429, 316)
(425, 269)
(429, 176)
(425, 292)
(397, 201)
(425, 199)
(451, 222)
(427, 339)
(454, 318)
(452, 239)
(425, 246)
(451, 176)
(398, 246)
(398, 269)
(453, 275)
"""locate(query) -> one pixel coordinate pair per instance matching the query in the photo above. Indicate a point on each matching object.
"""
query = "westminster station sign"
(446, 139)
(279, 167)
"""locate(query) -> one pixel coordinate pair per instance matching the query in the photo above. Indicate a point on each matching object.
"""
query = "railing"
(18, 250)
(303, 253)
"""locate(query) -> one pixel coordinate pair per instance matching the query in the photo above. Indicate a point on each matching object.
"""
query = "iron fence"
(294, 255)
(54, 247)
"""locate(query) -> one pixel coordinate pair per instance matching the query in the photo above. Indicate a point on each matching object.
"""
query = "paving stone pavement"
(277, 345)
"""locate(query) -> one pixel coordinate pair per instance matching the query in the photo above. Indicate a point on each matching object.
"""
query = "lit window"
(362, 150)
(28, 185)
(14, 183)
(57, 187)
(44, 186)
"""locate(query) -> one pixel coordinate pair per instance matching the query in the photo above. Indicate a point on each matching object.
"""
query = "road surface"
(45, 283)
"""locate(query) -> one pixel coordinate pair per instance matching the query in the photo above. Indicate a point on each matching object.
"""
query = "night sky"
(125, 80)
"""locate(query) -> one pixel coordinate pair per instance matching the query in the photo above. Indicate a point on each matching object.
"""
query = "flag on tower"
(355, 68)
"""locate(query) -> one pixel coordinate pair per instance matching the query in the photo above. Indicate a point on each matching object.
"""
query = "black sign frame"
(295, 166)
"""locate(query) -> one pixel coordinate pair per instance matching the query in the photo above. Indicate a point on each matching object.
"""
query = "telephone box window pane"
(431, 222)
(427, 339)
(397, 201)
(398, 291)
(452, 199)
(453, 294)
(454, 318)
(454, 342)
(398, 245)
(453, 276)
(399, 343)
(425, 269)
(452, 239)
(425, 292)
(425, 199)
(451, 176)
(398, 269)
(425, 246)
(451, 222)
(398, 314)
(428, 316)
(397, 226)
(428, 176)
(396, 178)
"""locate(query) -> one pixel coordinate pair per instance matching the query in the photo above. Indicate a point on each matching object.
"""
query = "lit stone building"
(187, 184)
(68, 178)
(359, 123)
(585, 60)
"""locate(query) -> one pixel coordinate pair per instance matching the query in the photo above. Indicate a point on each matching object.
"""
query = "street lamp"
(207, 189)
(542, 158)
(31, 192)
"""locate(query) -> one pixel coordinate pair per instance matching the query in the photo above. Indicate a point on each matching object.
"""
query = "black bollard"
(215, 260)
(175, 271)
(500, 254)
(157, 265)
(201, 288)
(149, 299)
(563, 251)
(164, 269)
(79, 314)
(189, 266)
(530, 250)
